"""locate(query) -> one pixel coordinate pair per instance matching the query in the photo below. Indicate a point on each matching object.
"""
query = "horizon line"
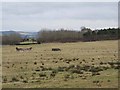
(56, 29)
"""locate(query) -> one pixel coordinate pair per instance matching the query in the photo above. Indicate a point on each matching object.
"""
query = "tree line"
(102, 34)
(62, 35)
(86, 34)
(11, 39)
(59, 36)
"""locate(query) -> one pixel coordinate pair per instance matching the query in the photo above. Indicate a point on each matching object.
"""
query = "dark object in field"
(4, 79)
(35, 63)
(108, 80)
(56, 49)
(23, 49)
(25, 81)
(14, 79)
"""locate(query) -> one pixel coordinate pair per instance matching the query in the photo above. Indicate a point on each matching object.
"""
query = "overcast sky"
(31, 16)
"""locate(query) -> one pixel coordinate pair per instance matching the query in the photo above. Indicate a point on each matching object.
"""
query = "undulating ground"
(77, 65)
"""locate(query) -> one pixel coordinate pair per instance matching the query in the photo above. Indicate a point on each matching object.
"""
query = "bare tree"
(58, 36)
(11, 39)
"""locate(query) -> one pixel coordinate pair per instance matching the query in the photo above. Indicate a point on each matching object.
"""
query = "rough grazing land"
(75, 65)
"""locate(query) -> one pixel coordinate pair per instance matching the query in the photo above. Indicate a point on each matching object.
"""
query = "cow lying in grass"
(56, 49)
(23, 49)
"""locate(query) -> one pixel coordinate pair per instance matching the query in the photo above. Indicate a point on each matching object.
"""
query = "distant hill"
(28, 34)
(7, 32)
(23, 34)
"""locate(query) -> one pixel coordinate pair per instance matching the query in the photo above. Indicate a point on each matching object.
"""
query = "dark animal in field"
(19, 49)
(56, 49)
(23, 49)
(28, 48)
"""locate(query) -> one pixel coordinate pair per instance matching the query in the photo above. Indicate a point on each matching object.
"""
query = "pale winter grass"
(23, 69)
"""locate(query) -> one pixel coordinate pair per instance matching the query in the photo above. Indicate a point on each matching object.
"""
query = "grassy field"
(77, 65)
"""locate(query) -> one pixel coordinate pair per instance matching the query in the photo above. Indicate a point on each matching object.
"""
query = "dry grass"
(23, 69)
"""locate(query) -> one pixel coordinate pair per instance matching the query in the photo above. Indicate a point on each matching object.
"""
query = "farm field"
(77, 65)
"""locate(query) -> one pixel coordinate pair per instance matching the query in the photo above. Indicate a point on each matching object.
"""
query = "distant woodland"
(86, 34)
(62, 35)
(11, 39)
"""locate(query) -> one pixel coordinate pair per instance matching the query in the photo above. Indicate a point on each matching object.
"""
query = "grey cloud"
(61, 10)
(36, 15)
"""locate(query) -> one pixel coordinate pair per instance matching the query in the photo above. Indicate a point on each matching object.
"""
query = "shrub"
(61, 58)
(95, 73)
(111, 63)
(55, 71)
(95, 69)
(37, 70)
(66, 76)
(105, 67)
(25, 81)
(74, 59)
(74, 70)
(49, 68)
(71, 77)
(108, 80)
(61, 69)
(71, 66)
(14, 79)
(42, 75)
(101, 63)
(52, 74)
(35, 63)
(4, 79)
(21, 77)
(96, 81)
(83, 60)
(85, 68)
(11, 39)
(117, 67)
